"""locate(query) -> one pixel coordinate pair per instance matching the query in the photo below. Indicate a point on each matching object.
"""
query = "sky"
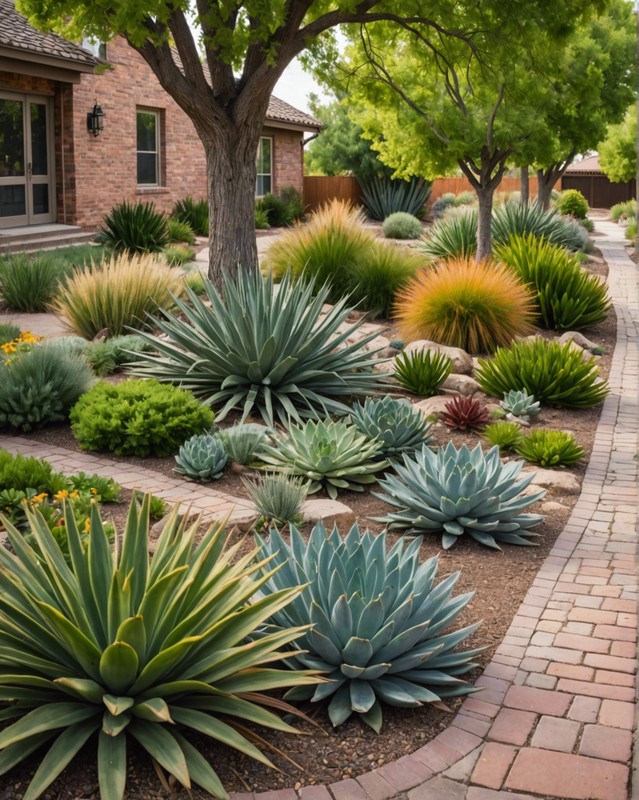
(295, 85)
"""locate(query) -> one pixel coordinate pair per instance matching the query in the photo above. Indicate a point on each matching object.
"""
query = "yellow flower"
(94, 491)
(74, 494)
(87, 524)
(61, 495)
(38, 498)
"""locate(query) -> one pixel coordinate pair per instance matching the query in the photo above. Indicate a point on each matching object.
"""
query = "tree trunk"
(484, 217)
(545, 182)
(524, 186)
(231, 173)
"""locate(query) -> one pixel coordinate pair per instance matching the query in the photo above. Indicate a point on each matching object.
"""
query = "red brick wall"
(288, 163)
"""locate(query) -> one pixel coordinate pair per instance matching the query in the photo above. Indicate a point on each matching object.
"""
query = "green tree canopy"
(618, 151)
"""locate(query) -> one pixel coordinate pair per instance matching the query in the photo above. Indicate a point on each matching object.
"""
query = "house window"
(264, 166)
(148, 147)
(95, 46)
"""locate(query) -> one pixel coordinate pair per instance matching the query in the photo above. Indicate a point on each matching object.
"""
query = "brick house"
(53, 169)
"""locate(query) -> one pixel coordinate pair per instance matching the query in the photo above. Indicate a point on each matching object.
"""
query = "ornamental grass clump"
(477, 306)
(377, 622)
(375, 280)
(505, 435)
(118, 646)
(422, 372)
(277, 497)
(567, 296)
(394, 423)
(263, 350)
(330, 455)
(456, 492)
(138, 418)
(28, 283)
(118, 294)
(557, 375)
(550, 448)
(40, 385)
(452, 237)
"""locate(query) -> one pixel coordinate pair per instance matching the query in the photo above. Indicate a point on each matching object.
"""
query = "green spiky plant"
(330, 455)
(555, 374)
(422, 372)
(123, 646)
(194, 212)
(550, 448)
(398, 426)
(383, 196)
(256, 349)
(456, 492)
(567, 297)
(201, 458)
(520, 404)
(378, 620)
(464, 414)
(243, 442)
(134, 228)
(505, 435)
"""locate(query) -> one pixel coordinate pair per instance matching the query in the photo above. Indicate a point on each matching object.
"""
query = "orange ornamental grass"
(477, 306)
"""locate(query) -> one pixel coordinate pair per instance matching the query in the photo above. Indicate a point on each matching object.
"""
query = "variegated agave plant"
(379, 622)
(119, 645)
(454, 492)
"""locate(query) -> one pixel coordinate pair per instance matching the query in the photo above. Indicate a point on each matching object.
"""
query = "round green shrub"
(138, 418)
(572, 202)
(401, 225)
(39, 386)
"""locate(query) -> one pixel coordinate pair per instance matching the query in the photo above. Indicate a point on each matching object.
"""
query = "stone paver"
(557, 712)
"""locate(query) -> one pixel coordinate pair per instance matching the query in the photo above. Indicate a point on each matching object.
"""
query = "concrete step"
(33, 243)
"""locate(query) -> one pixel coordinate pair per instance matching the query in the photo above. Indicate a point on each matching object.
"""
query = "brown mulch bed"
(499, 579)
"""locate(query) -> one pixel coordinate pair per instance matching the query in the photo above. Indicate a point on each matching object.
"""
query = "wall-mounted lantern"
(95, 120)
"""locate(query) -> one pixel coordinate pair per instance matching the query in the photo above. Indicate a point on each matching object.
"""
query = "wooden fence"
(319, 189)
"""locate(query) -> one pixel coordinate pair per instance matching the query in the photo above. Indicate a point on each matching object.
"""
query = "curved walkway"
(557, 712)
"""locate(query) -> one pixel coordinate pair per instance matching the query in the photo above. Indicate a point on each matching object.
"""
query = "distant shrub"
(571, 202)
(477, 306)
(194, 212)
(178, 255)
(138, 418)
(631, 230)
(194, 280)
(180, 231)
(39, 386)
(621, 212)
(117, 294)
(26, 472)
(281, 211)
(383, 196)
(28, 283)
(445, 201)
(261, 218)
(375, 280)
(8, 333)
(134, 228)
(402, 226)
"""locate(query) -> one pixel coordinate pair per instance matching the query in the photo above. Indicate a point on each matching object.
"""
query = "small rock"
(551, 507)
(102, 335)
(432, 405)
(462, 361)
(554, 480)
(580, 340)
(462, 384)
(330, 512)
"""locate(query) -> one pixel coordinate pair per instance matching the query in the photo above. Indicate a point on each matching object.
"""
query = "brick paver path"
(556, 715)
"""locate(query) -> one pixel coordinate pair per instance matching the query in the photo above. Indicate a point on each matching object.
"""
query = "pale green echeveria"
(381, 623)
(329, 455)
(456, 492)
(119, 645)
(266, 349)
(395, 423)
(520, 404)
(201, 458)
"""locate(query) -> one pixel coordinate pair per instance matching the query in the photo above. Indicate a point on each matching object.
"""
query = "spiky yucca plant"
(201, 458)
(477, 306)
(330, 455)
(117, 294)
(422, 372)
(554, 374)
(243, 442)
(277, 497)
(378, 620)
(256, 348)
(464, 414)
(550, 448)
(452, 237)
(134, 228)
(395, 423)
(454, 492)
(122, 645)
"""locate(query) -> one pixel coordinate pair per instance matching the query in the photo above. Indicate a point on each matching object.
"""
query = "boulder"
(551, 507)
(581, 341)
(432, 405)
(462, 384)
(330, 512)
(462, 361)
(555, 480)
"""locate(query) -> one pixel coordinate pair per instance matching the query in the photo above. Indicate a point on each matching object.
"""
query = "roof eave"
(290, 126)
(36, 57)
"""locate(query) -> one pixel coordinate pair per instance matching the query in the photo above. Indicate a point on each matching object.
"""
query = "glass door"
(26, 185)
